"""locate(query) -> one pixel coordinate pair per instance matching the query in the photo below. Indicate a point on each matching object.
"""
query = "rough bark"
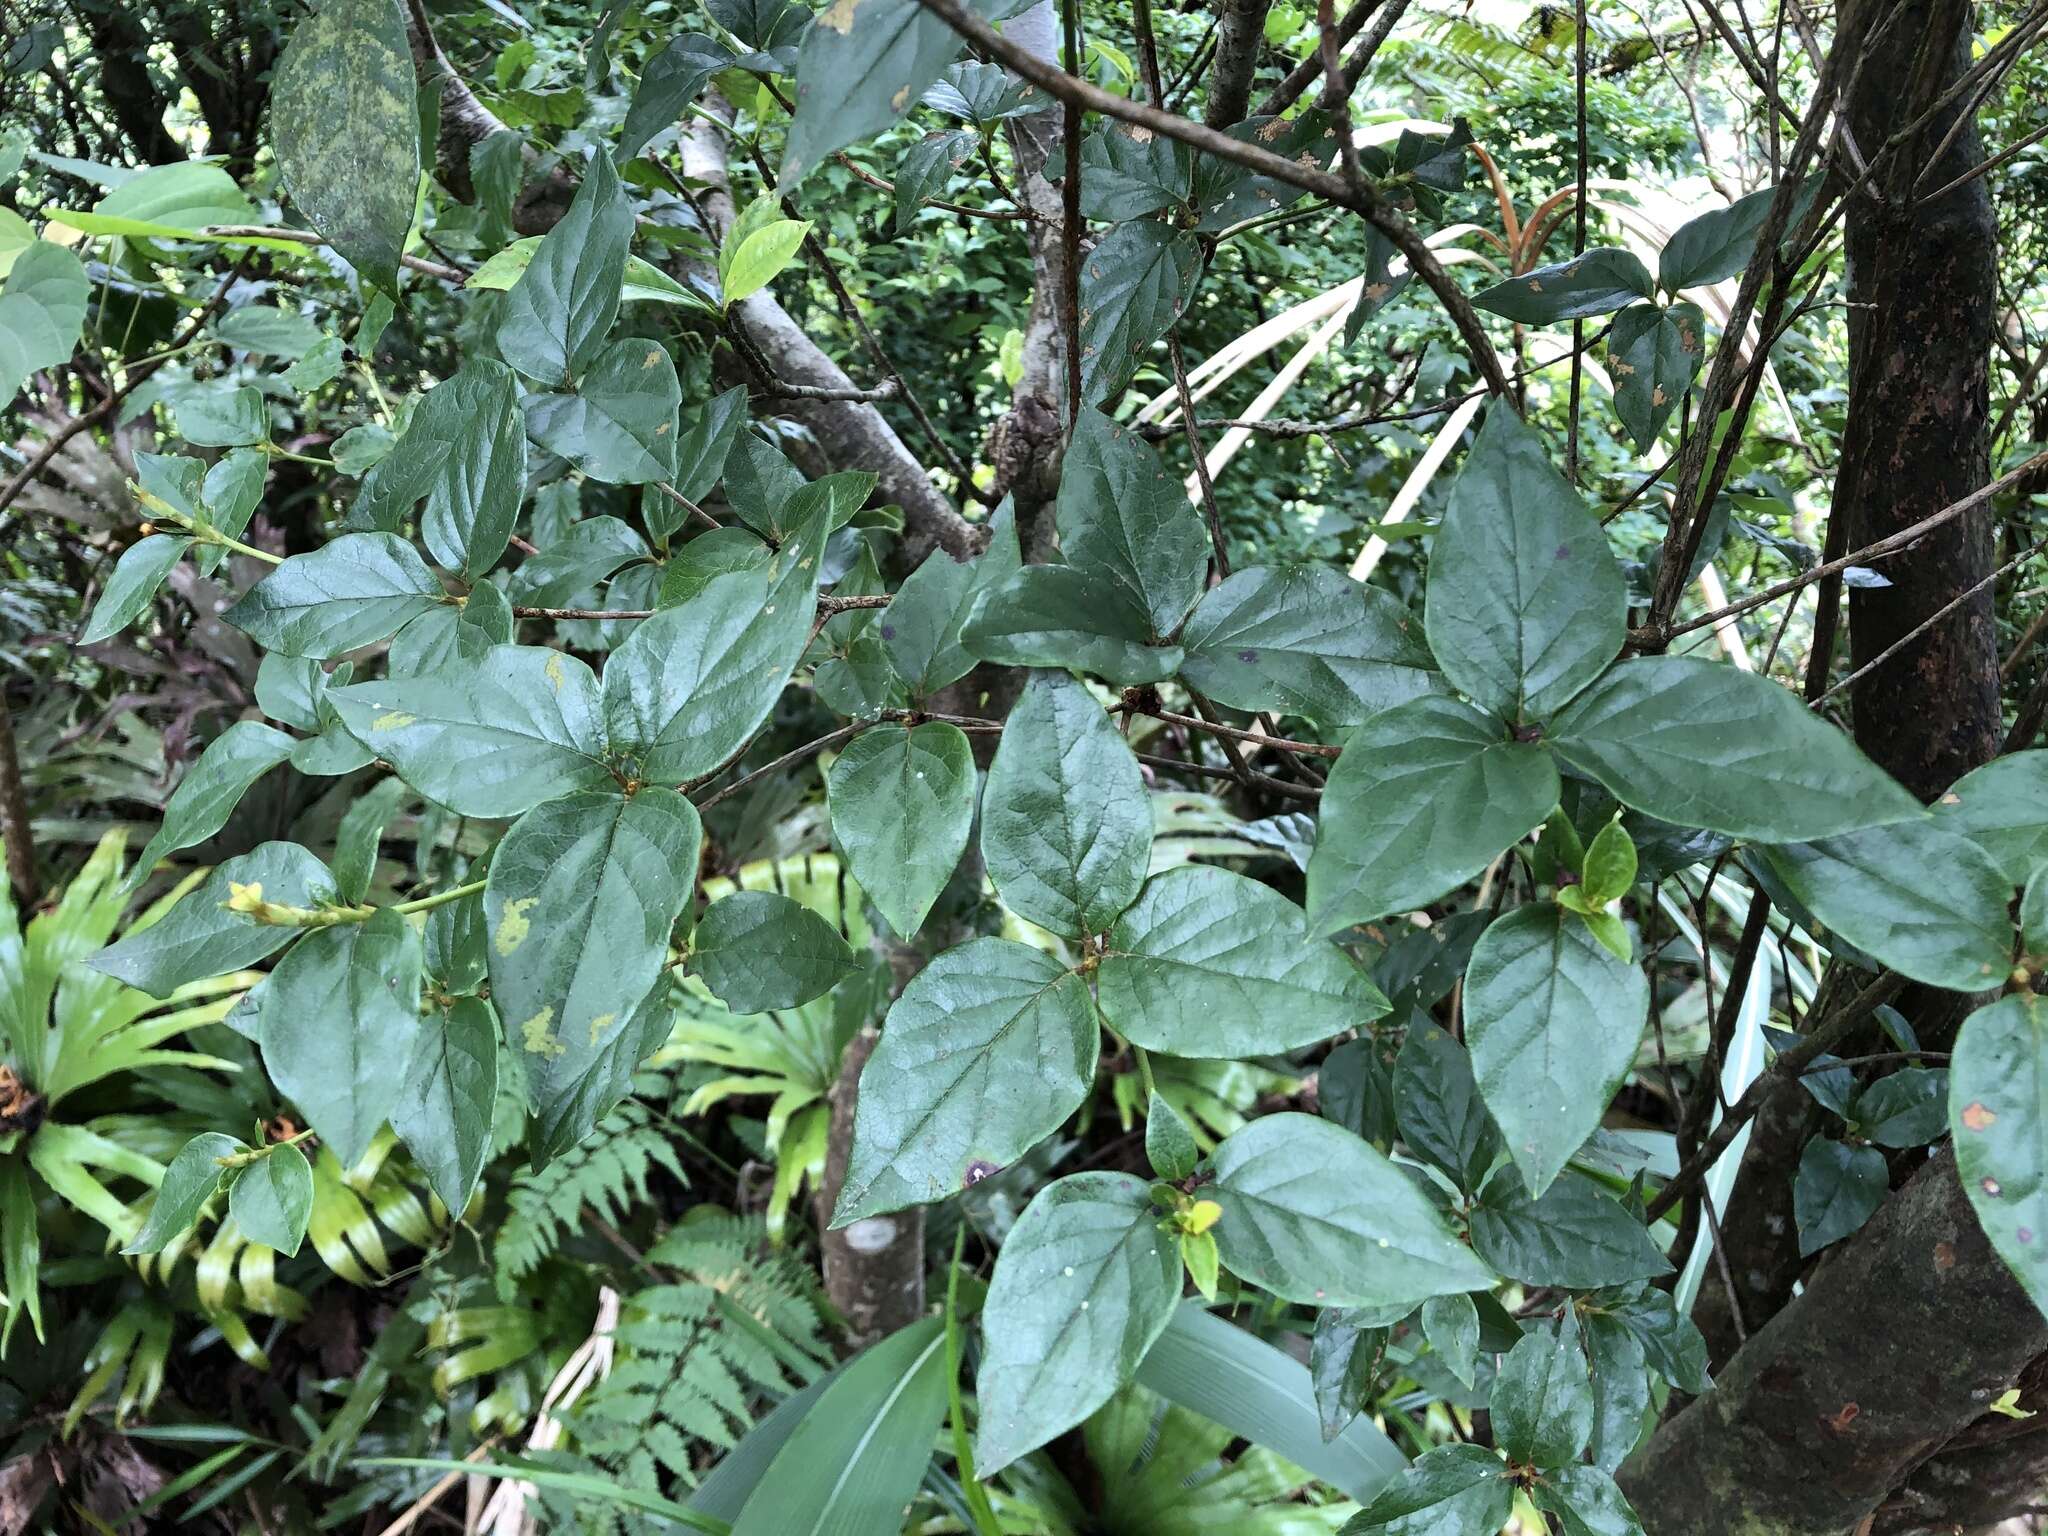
(1240, 33)
(874, 1267)
(1901, 1340)
(14, 825)
(1922, 290)
(121, 48)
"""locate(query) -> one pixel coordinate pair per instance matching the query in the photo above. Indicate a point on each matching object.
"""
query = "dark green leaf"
(211, 788)
(340, 1012)
(1122, 515)
(217, 415)
(266, 328)
(201, 937)
(1134, 285)
(1067, 616)
(902, 804)
(2002, 807)
(925, 169)
(582, 1097)
(1588, 1502)
(1128, 172)
(491, 737)
(581, 896)
(1084, 1283)
(1211, 963)
(1918, 896)
(1719, 243)
(989, 1048)
(921, 630)
(554, 319)
(1355, 1089)
(1526, 604)
(590, 551)
(42, 310)
(1451, 1324)
(672, 80)
(1573, 1236)
(464, 452)
(354, 590)
(1344, 1359)
(444, 1109)
(273, 1200)
(1553, 1022)
(346, 129)
(1066, 828)
(189, 1182)
(1426, 795)
(1314, 1215)
(1542, 1400)
(1621, 1387)
(1438, 1108)
(708, 556)
(1671, 1344)
(1654, 355)
(136, 576)
(702, 452)
(1998, 1112)
(1452, 1490)
(620, 425)
(1837, 1188)
(1170, 1145)
(758, 951)
(1597, 283)
(861, 65)
(1698, 744)
(1306, 640)
(1909, 1108)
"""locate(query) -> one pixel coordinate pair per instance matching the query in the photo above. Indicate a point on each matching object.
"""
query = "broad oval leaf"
(862, 64)
(1121, 514)
(921, 630)
(902, 806)
(1924, 900)
(1066, 616)
(620, 425)
(1066, 829)
(352, 591)
(1542, 1400)
(1998, 1113)
(273, 1199)
(1596, 283)
(1306, 640)
(557, 315)
(758, 951)
(2002, 807)
(188, 1183)
(42, 311)
(1573, 1236)
(465, 453)
(1451, 1490)
(1134, 285)
(989, 1048)
(1703, 745)
(1720, 242)
(1210, 963)
(1315, 1215)
(1653, 355)
(1526, 603)
(339, 1014)
(1553, 1022)
(580, 899)
(132, 583)
(346, 127)
(1425, 796)
(1085, 1282)
(1836, 1189)
(446, 1107)
(491, 737)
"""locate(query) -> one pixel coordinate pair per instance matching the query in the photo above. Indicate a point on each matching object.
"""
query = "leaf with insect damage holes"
(1653, 355)
(1134, 285)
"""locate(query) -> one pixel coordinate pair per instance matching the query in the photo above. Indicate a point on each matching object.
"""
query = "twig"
(827, 606)
(309, 237)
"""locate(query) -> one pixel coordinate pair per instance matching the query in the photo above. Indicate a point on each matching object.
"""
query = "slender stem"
(439, 898)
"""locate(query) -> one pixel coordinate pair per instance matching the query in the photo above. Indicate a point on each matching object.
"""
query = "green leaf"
(21, 1250)
(1587, 1501)
(231, 492)
(1209, 963)
(190, 1181)
(1597, 283)
(1671, 1344)
(2002, 807)
(1128, 172)
(902, 806)
(346, 127)
(1066, 828)
(581, 1098)
(1355, 1089)
(921, 630)
(1345, 1356)
(1134, 285)
(854, 1463)
(1918, 896)
(644, 282)
(1067, 616)
(758, 951)
(1306, 640)
(1451, 1324)
(1703, 745)
(1526, 604)
(1553, 1022)
(1719, 243)
(2034, 915)
(590, 551)
(1573, 1236)
(1425, 796)
(1170, 1145)
(491, 737)
(340, 1011)
(671, 81)
(353, 591)
(201, 937)
(862, 64)
(1998, 1112)
(1542, 1400)
(703, 450)
(361, 832)
(1609, 866)
(557, 315)
(1315, 1215)
(1653, 355)
(173, 201)
(620, 425)
(1837, 1188)
(136, 576)
(925, 169)
(1122, 515)
(989, 1048)
(42, 311)
(273, 1199)
(1438, 1108)
(1908, 1108)
(1621, 1387)
(580, 899)
(464, 451)
(1083, 1285)
(446, 1104)
(210, 790)
(1235, 1379)
(693, 683)
(760, 256)
(266, 328)
(216, 415)
(1452, 1490)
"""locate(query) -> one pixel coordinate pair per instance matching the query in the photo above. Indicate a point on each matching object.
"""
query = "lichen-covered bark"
(1906, 1335)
